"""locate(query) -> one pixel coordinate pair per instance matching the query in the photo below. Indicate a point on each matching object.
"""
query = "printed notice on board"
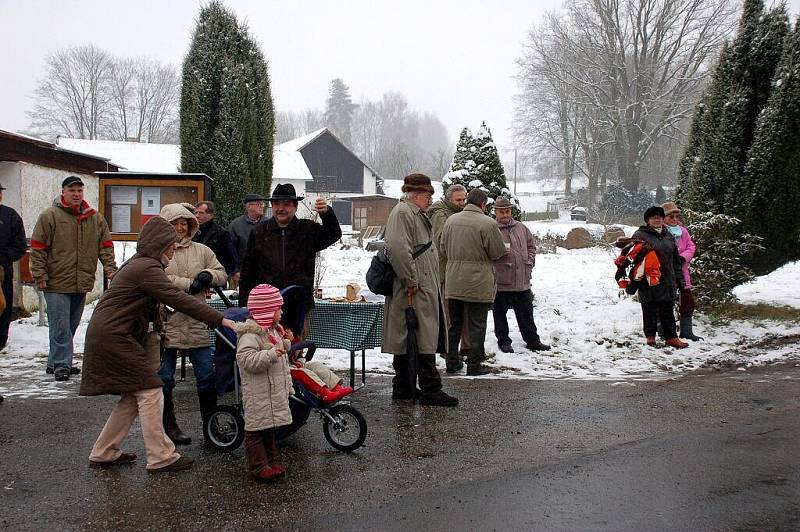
(151, 200)
(120, 218)
(124, 195)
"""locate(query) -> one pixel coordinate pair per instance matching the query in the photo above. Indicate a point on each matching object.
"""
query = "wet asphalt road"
(715, 451)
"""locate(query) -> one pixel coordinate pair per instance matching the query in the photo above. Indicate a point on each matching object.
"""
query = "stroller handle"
(223, 297)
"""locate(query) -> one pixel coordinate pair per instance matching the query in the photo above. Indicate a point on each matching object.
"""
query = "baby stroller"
(342, 424)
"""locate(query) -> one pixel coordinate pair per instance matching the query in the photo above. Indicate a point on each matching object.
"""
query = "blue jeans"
(64, 313)
(202, 363)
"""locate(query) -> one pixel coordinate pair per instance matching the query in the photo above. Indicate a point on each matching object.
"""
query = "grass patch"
(760, 311)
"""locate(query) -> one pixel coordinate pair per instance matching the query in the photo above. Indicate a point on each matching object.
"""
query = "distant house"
(32, 170)
(337, 173)
(317, 164)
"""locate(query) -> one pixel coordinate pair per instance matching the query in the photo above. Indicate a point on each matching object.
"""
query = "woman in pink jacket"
(686, 250)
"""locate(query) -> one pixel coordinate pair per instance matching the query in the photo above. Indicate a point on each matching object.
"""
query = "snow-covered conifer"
(226, 115)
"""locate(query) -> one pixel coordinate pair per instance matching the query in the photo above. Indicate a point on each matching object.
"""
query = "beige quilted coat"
(190, 258)
(266, 378)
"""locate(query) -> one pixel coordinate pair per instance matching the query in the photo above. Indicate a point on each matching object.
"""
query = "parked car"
(578, 213)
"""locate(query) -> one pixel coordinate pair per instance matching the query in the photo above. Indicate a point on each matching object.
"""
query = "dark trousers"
(476, 321)
(522, 303)
(8, 293)
(430, 382)
(652, 313)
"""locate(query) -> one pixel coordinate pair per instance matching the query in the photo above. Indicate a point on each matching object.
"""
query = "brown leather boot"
(171, 427)
(677, 343)
(256, 455)
(651, 341)
(271, 448)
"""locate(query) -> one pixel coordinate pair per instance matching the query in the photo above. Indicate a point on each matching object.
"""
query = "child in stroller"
(344, 427)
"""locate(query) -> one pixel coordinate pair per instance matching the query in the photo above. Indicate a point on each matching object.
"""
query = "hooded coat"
(120, 356)
(671, 274)
(407, 230)
(266, 377)
(65, 246)
(190, 258)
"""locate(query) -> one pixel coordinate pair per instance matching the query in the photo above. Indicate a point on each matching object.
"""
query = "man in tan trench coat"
(408, 230)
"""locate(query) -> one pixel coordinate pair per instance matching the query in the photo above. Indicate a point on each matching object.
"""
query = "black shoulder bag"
(380, 276)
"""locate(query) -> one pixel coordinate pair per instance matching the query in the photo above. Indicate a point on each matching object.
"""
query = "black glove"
(201, 283)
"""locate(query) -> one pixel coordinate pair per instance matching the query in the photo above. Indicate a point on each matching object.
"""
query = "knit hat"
(262, 302)
(670, 208)
(417, 183)
(653, 211)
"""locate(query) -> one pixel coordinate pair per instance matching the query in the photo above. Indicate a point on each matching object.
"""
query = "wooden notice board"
(128, 202)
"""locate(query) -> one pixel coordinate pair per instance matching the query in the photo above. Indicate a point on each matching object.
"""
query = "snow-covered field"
(595, 333)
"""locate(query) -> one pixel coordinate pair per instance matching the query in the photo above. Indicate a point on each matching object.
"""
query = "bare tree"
(143, 101)
(627, 71)
(73, 95)
(87, 93)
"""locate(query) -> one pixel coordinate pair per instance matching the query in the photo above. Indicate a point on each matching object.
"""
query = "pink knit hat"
(262, 302)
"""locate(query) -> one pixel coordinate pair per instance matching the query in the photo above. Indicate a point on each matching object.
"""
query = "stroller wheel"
(348, 430)
(224, 429)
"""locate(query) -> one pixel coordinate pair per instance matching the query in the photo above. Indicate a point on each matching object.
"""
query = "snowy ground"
(595, 333)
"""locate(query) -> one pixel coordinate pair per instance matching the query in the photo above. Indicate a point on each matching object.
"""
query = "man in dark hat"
(67, 241)
(513, 274)
(241, 227)
(282, 250)
(12, 247)
(415, 263)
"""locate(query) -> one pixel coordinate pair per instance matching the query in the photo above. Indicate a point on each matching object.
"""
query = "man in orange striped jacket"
(67, 241)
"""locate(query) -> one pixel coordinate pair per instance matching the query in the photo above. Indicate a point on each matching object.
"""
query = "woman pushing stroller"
(121, 353)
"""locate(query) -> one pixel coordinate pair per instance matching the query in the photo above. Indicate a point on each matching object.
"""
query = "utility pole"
(515, 171)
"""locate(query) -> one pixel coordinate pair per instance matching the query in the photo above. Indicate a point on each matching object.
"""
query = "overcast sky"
(452, 57)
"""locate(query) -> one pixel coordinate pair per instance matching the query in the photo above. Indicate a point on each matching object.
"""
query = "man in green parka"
(471, 242)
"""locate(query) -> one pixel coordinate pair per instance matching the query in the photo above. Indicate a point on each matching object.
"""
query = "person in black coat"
(281, 251)
(12, 248)
(657, 301)
(213, 235)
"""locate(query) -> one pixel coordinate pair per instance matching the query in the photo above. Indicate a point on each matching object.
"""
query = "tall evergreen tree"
(476, 164)
(712, 169)
(226, 116)
(339, 109)
(772, 175)
(754, 60)
(697, 183)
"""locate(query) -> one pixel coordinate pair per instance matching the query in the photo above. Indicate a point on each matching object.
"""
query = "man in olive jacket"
(471, 242)
(408, 231)
(68, 239)
(513, 271)
(453, 202)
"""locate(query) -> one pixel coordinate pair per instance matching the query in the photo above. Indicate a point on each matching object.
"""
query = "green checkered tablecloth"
(350, 326)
